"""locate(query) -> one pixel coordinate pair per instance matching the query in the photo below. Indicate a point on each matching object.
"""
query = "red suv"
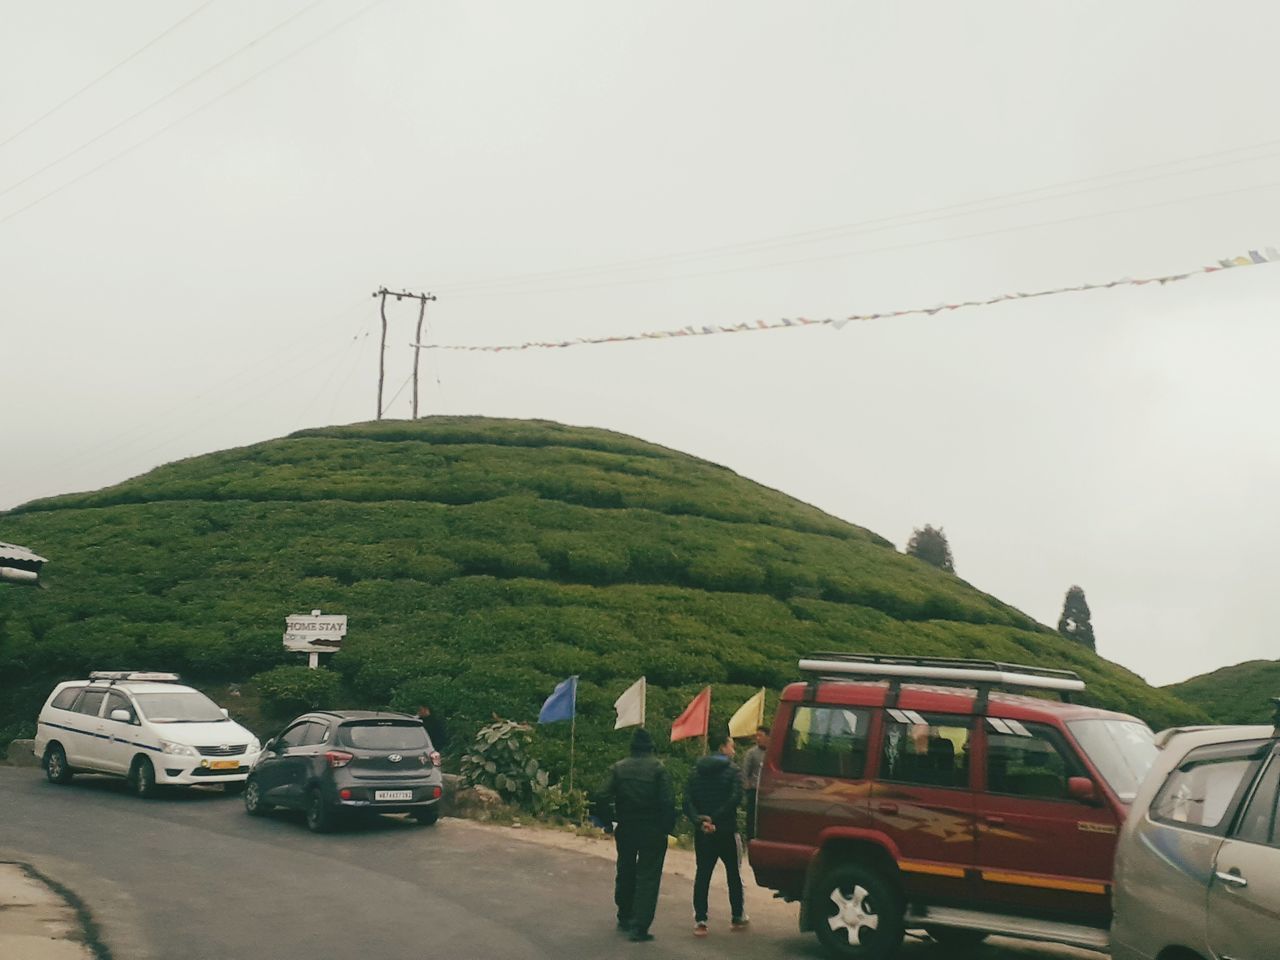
(917, 792)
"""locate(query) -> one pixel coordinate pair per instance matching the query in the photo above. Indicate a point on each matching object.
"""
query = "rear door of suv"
(1039, 849)
(83, 737)
(923, 799)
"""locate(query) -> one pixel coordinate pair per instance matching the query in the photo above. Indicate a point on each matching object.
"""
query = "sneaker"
(700, 928)
(739, 923)
(641, 936)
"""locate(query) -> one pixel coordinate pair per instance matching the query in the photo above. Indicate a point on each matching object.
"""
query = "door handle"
(889, 808)
(1232, 878)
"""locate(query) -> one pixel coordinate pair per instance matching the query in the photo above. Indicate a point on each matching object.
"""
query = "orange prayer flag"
(693, 722)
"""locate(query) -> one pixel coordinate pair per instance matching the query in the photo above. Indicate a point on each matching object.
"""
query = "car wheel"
(254, 805)
(956, 938)
(321, 818)
(428, 816)
(142, 779)
(857, 912)
(233, 789)
(55, 765)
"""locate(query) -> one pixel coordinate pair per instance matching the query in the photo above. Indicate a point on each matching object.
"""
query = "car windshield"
(384, 736)
(179, 707)
(1122, 750)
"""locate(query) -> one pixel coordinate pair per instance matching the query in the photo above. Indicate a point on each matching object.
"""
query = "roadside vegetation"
(1236, 694)
(480, 562)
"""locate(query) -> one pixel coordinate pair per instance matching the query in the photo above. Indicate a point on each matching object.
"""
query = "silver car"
(1198, 864)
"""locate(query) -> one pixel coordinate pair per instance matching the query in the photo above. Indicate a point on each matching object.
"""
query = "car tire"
(142, 779)
(254, 805)
(857, 912)
(955, 938)
(233, 789)
(321, 818)
(56, 768)
(427, 817)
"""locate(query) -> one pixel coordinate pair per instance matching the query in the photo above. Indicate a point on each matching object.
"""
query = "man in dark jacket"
(433, 723)
(711, 801)
(638, 794)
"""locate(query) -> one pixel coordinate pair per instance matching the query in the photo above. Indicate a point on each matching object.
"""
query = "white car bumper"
(174, 770)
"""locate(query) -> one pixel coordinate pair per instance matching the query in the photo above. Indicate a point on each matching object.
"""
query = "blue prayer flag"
(562, 703)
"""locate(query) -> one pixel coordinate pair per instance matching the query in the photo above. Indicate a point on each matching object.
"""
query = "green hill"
(1238, 694)
(480, 562)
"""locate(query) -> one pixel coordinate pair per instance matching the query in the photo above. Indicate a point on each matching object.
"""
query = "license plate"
(393, 795)
(224, 764)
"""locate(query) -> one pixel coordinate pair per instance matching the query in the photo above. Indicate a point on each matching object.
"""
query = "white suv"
(146, 727)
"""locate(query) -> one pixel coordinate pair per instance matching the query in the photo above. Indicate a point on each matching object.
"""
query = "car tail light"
(436, 793)
(344, 794)
(435, 757)
(338, 759)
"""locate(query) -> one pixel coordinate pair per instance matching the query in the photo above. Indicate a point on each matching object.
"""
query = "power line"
(102, 76)
(186, 116)
(479, 287)
(908, 245)
(154, 103)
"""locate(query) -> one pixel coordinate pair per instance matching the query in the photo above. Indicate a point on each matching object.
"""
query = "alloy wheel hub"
(853, 914)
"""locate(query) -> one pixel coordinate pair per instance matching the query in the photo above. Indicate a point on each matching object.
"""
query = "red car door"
(923, 800)
(1039, 849)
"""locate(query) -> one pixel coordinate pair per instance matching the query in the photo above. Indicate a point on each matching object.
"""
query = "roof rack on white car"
(981, 675)
(114, 676)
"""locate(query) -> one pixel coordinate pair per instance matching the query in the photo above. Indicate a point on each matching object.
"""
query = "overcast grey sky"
(210, 286)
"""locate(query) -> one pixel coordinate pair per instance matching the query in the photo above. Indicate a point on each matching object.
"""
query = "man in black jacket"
(638, 794)
(711, 801)
(433, 723)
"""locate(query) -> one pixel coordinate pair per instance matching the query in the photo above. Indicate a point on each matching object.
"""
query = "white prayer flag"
(630, 706)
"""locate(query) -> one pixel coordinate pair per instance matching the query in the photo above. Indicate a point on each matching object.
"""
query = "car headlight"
(254, 746)
(178, 749)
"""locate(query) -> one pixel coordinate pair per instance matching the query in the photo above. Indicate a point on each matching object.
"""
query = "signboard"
(314, 633)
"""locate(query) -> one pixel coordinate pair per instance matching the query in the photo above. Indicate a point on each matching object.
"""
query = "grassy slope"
(480, 561)
(1237, 694)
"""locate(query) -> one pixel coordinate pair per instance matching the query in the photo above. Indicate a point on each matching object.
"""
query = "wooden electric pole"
(382, 293)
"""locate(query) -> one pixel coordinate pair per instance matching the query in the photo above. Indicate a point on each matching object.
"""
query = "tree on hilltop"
(930, 545)
(1074, 623)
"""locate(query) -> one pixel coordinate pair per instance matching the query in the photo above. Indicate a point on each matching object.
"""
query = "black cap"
(641, 742)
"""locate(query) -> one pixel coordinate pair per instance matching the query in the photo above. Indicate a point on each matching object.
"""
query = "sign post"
(314, 634)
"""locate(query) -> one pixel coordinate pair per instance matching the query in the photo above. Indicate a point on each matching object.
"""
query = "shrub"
(499, 759)
(295, 689)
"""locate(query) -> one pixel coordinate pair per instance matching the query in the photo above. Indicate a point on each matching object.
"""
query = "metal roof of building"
(11, 551)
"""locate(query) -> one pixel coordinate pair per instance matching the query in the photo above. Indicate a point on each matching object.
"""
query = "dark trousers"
(708, 848)
(641, 853)
(751, 814)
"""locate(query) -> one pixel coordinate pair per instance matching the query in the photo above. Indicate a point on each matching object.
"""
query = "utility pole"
(382, 293)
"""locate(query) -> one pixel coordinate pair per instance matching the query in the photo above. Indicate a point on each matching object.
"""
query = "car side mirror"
(225, 713)
(1084, 790)
(270, 746)
(122, 716)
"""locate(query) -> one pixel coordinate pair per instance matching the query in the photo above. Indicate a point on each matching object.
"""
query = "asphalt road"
(190, 876)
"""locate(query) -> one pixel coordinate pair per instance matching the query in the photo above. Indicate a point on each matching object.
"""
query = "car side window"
(67, 698)
(1259, 822)
(1201, 793)
(90, 703)
(293, 737)
(1027, 760)
(827, 742)
(316, 733)
(925, 749)
(116, 701)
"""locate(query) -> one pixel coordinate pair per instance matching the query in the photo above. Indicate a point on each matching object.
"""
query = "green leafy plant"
(557, 801)
(499, 759)
(294, 689)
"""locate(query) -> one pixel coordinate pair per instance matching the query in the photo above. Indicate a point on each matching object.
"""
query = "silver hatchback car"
(1198, 863)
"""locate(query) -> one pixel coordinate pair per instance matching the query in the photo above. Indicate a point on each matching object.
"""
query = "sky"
(197, 200)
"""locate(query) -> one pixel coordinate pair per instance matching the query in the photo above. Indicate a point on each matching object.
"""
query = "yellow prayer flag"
(749, 716)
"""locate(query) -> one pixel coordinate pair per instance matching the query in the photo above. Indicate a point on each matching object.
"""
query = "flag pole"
(573, 729)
